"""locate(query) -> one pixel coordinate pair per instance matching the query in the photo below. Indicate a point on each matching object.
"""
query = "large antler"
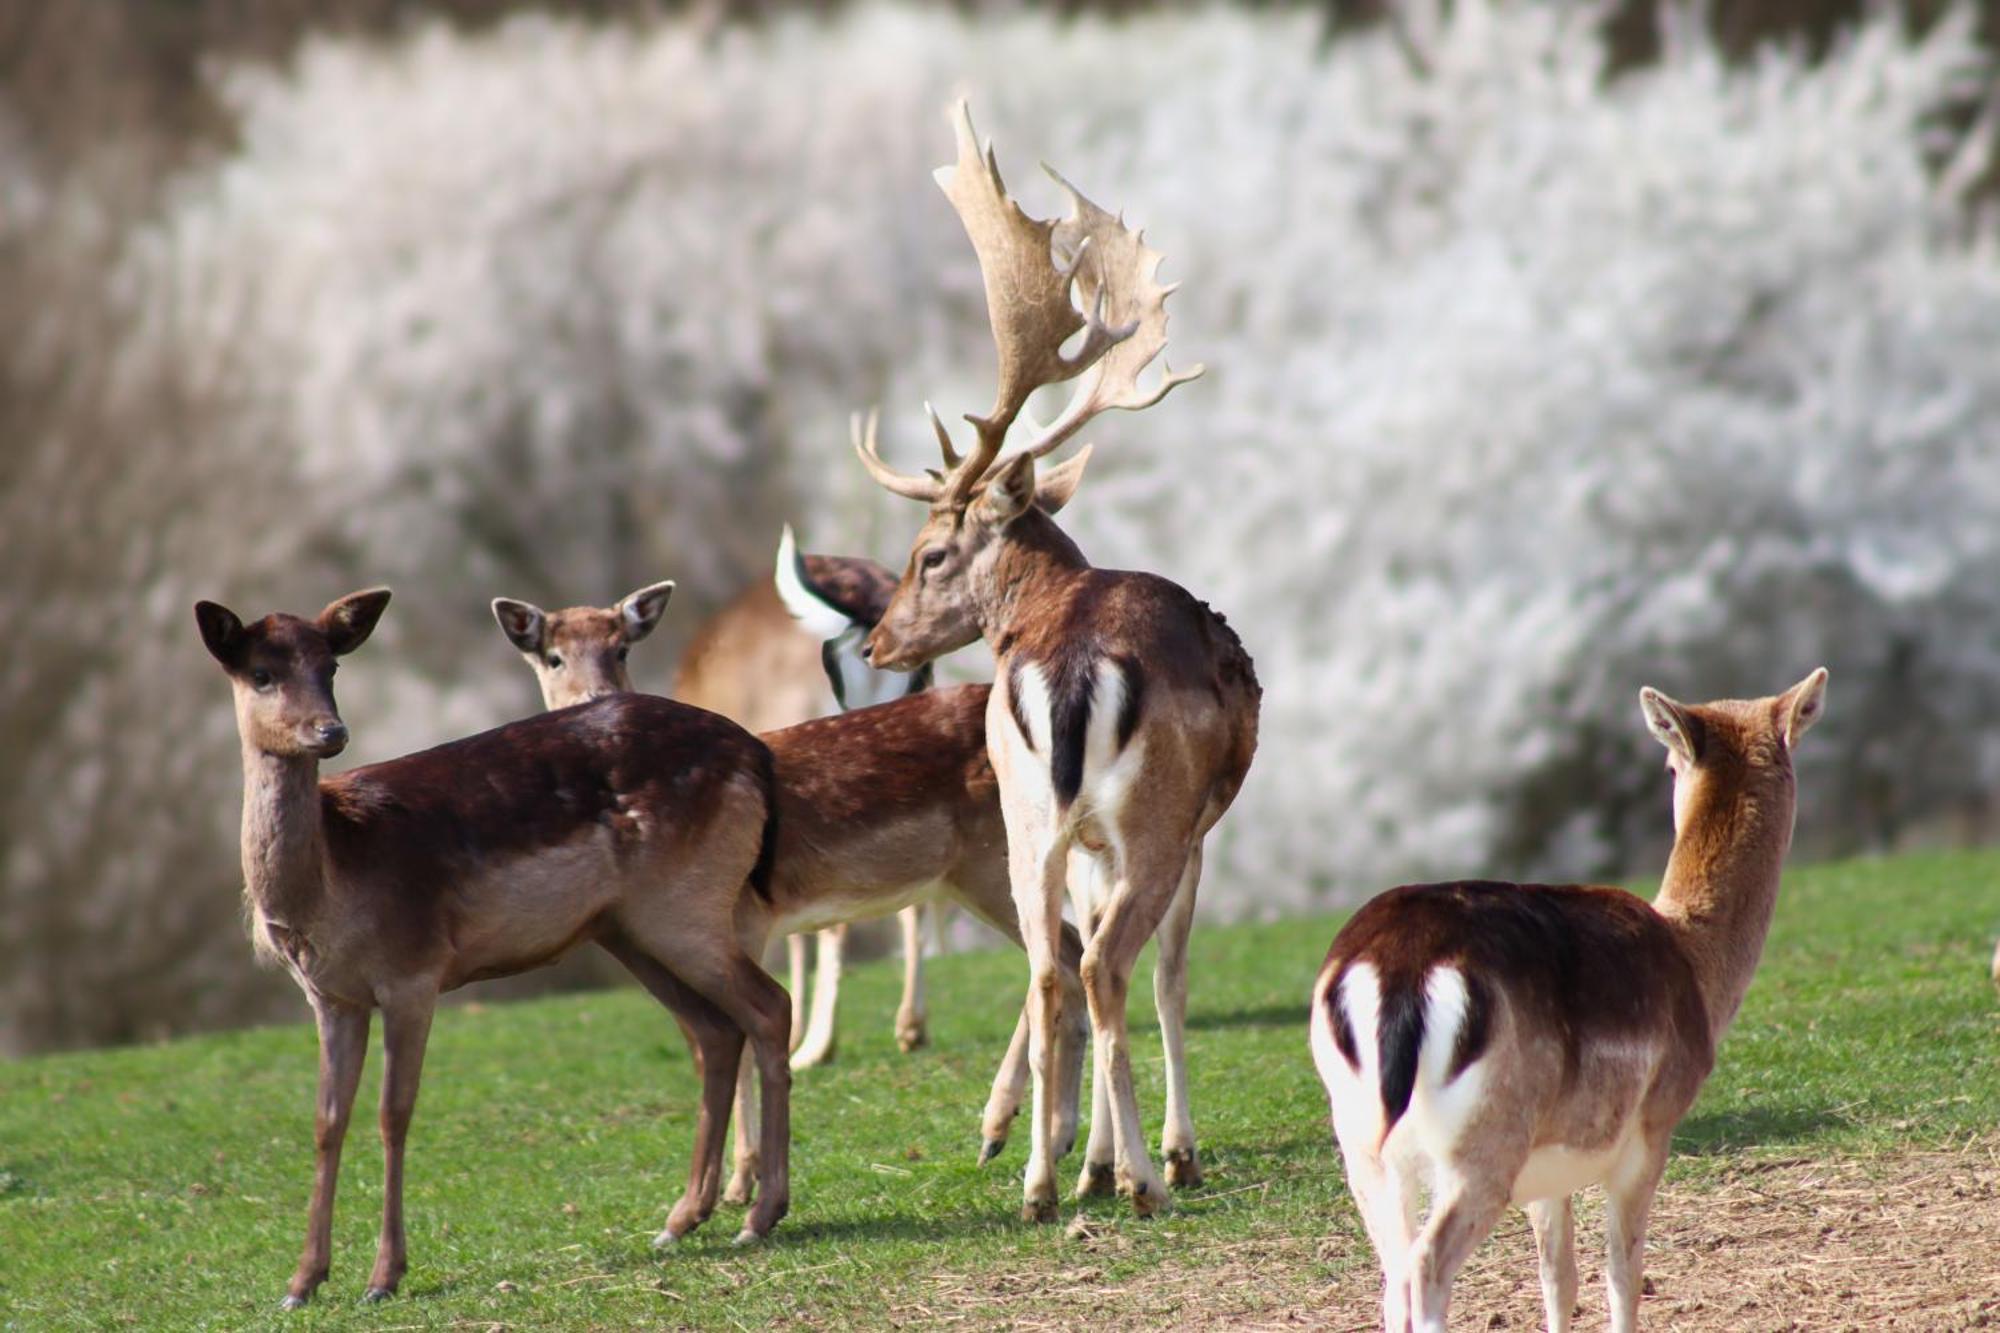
(1029, 267)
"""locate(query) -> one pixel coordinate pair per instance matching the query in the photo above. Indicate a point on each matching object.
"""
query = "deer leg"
(1035, 862)
(743, 1173)
(1148, 876)
(343, 1046)
(911, 1014)
(721, 1042)
(406, 1030)
(1170, 991)
(795, 958)
(717, 1046)
(1386, 1215)
(985, 891)
(1464, 1206)
(1099, 1176)
(1010, 1086)
(1628, 1200)
(1555, 1248)
(818, 1044)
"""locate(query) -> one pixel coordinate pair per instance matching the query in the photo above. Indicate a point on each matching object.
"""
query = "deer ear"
(1008, 492)
(1054, 488)
(1802, 705)
(642, 610)
(1672, 724)
(348, 622)
(522, 622)
(221, 631)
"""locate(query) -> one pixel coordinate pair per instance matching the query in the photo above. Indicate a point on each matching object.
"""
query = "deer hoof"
(910, 1038)
(1148, 1198)
(1096, 1181)
(1183, 1169)
(294, 1302)
(376, 1295)
(991, 1149)
(666, 1240)
(746, 1237)
(1041, 1211)
(740, 1192)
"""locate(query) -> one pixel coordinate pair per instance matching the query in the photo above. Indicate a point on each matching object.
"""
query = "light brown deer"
(1124, 713)
(785, 650)
(880, 809)
(641, 824)
(1517, 1042)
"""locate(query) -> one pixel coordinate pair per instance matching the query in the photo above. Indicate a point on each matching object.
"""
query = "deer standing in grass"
(1517, 1042)
(784, 651)
(879, 809)
(1123, 715)
(641, 824)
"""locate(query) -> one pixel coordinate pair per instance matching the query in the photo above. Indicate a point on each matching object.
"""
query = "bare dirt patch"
(1910, 1241)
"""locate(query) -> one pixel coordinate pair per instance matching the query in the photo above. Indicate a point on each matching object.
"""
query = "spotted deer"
(1514, 1043)
(1123, 715)
(782, 652)
(638, 823)
(879, 809)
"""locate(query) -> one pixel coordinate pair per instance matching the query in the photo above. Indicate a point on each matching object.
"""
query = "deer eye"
(555, 661)
(261, 678)
(933, 557)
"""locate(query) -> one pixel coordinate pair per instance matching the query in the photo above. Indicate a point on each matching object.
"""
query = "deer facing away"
(1123, 715)
(641, 824)
(1515, 1043)
(879, 808)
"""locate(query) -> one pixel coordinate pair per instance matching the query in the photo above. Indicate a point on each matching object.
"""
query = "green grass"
(165, 1186)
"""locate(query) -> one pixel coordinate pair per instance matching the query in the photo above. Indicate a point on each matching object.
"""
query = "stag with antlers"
(1124, 713)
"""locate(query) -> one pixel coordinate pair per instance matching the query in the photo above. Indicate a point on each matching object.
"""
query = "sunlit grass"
(164, 1187)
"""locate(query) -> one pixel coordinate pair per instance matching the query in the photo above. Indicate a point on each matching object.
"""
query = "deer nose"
(332, 734)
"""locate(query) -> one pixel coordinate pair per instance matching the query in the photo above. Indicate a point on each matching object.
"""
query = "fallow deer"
(786, 650)
(1123, 716)
(641, 824)
(781, 652)
(879, 809)
(1516, 1042)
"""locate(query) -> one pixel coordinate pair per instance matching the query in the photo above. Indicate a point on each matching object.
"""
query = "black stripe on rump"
(1400, 1037)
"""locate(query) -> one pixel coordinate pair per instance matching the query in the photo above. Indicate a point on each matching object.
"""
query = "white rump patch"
(1355, 1095)
(1029, 691)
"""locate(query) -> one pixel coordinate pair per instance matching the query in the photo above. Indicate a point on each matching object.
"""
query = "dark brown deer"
(641, 824)
(1124, 712)
(1517, 1042)
(785, 650)
(880, 809)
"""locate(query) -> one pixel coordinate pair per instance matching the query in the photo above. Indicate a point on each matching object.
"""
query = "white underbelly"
(1556, 1172)
(854, 906)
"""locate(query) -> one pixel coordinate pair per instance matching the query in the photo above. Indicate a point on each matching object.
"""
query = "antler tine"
(1119, 273)
(926, 489)
(1027, 298)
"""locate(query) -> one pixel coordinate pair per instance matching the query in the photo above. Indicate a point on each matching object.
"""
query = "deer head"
(281, 671)
(579, 654)
(1086, 279)
(1721, 746)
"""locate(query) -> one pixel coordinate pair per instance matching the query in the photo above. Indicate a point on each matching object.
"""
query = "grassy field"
(164, 1187)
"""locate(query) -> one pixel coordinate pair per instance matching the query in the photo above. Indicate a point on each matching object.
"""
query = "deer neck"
(282, 839)
(1721, 885)
(1032, 562)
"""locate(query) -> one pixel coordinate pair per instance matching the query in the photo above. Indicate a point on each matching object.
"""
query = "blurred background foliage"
(1554, 350)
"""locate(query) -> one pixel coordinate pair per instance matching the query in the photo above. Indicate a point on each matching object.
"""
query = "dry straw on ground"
(1893, 1242)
